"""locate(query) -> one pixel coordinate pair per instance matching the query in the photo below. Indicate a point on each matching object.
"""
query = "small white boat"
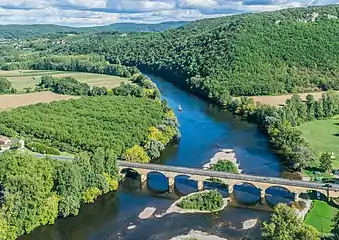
(179, 108)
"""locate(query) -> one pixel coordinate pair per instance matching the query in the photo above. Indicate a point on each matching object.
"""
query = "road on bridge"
(242, 177)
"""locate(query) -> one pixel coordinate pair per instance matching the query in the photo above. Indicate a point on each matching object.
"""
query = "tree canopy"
(286, 225)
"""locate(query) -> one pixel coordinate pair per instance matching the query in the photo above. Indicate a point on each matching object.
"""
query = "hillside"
(25, 31)
(278, 52)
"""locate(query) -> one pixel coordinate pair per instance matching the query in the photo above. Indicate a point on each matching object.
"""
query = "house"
(5, 143)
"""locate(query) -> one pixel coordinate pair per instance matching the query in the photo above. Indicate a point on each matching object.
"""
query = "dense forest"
(291, 50)
(36, 191)
(87, 123)
(29, 31)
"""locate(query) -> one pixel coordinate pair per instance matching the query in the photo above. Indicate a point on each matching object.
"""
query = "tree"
(225, 166)
(326, 163)
(136, 154)
(310, 107)
(5, 85)
(302, 157)
(286, 225)
(154, 148)
(307, 232)
(335, 229)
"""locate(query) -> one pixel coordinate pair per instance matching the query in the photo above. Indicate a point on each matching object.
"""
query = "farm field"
(323, 136)
(17, 100)
(22, 79)
(281, 99)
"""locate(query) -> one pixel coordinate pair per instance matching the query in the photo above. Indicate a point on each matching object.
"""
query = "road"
(224, 175)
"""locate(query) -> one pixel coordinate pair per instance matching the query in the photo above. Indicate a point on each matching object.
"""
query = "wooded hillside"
(290, 50)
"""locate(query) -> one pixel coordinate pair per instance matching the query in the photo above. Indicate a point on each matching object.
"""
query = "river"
(205, 128)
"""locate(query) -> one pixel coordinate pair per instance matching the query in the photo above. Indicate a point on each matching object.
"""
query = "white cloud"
(100, 12)
(56, 16)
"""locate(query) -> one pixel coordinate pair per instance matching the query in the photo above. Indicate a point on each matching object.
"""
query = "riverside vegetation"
(128, 122)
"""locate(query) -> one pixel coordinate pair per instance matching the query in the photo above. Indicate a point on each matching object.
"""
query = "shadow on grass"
(313, 169)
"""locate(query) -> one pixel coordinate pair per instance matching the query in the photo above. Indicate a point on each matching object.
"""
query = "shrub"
(225, 166)
(91, 194)
(136, 154)
(204, 201)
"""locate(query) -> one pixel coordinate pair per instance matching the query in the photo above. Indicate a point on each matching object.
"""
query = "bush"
(42, 148)
(204, 201)
(225, 166)
(91, 194)
(136, 154)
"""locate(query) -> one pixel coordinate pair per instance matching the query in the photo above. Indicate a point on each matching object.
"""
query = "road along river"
(205, 129)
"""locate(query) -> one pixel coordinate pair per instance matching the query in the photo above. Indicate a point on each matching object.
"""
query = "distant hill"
(25, 31)
(269, 53)
(140, 27)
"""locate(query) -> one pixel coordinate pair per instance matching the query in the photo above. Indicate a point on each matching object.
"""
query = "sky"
(104, 12)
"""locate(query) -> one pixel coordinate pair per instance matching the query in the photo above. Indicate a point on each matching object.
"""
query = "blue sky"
(103, 12)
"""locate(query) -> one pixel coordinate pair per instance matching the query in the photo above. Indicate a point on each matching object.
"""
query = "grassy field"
(281, 99)
(22, 79)
(17, 100)
(323, 136)
(320, 216)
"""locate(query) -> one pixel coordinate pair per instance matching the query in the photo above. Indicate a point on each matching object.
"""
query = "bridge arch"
(130, 179)
(279, 194)
(129, 172)
(216, 184)
(157, 182)
(184, 184)
(246, 193)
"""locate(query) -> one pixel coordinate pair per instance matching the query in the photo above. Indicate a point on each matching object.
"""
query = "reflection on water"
(204, 128)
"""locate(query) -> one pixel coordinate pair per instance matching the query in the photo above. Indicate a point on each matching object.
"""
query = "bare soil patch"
(18, 100)
(281, 99)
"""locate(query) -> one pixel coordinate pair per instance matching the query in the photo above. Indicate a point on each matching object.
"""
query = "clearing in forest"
(323, 136)
(17, 100)
(281, 99)
(22, 79)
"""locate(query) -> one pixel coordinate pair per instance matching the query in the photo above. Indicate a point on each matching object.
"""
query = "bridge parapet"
(263, 183)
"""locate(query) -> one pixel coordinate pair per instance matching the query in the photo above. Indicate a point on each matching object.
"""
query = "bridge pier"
(295, 197)
(143, 178)
(200, 185)
(170, 184)
(263, 197)
(170, 181)
(230, 188)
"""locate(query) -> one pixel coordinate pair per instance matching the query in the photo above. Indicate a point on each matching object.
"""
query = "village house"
(5, 143)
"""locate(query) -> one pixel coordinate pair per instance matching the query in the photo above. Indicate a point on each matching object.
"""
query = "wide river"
(205, 128)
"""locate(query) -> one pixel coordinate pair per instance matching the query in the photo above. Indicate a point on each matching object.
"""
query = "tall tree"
(286, 225)
(326, 163)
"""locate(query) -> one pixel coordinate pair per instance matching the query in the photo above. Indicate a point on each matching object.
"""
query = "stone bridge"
(262, 183)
